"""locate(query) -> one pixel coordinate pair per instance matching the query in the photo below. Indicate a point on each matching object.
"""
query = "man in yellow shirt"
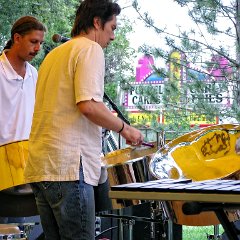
(65, 142)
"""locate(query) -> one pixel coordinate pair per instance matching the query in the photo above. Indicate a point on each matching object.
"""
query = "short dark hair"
(23, 26)
(89, 9)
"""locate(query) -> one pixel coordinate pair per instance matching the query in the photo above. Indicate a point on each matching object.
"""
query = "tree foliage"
(119, 60)
(58, 16)
(201, 46)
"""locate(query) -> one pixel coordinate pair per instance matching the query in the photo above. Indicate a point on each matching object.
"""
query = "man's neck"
(90, 35)
(17, 63)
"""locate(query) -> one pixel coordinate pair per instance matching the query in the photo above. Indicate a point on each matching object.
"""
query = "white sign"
(148, 95)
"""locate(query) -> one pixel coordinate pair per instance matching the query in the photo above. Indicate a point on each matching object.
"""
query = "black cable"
(115, 108)
(106, 230)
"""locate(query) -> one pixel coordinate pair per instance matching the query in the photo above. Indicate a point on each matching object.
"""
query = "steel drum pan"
(16, 198)
(13, 157)
(127, 166)
(205, 154)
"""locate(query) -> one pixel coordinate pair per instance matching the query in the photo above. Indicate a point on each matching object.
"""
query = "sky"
(166, 13)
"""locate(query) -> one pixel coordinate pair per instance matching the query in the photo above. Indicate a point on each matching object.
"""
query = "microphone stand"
(119, 114)
(115, 108)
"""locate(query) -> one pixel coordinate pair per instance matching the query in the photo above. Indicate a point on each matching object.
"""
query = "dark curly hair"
(89, 9)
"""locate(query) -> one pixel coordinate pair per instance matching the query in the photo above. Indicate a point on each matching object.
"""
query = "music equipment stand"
(209, 195)
(191, 208)
(129, 221)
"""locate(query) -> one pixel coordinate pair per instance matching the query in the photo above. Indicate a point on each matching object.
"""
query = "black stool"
(19, 201)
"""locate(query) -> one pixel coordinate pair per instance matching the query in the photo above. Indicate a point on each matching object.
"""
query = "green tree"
(57, 15)
(119, 61)
(208, 16)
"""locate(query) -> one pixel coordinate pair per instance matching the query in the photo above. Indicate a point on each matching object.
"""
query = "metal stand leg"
(216, 231)
(215, 235)
(130, 224)
(157, 229)
(170, 230)
(126, 223)
(120, 223)
(228, 226)
(120, 232)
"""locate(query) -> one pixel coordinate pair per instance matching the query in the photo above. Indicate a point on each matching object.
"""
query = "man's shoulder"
(86, 43)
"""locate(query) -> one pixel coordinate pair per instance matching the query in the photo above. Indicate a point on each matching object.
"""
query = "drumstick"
(148, 144)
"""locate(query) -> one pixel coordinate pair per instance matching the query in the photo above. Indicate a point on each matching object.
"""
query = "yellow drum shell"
(126, 154)
(13, 157)
(204, 154)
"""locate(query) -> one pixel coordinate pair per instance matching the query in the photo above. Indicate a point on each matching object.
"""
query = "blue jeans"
(66, 209)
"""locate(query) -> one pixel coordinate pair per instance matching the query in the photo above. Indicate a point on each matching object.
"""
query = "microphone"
(57, 38)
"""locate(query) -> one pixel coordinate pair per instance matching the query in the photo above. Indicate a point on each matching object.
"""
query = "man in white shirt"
(18, 81)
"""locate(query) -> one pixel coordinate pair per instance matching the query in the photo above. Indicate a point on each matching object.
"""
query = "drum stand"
(125, 221)
(232, 232)
(216, 235)
(129, 221)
